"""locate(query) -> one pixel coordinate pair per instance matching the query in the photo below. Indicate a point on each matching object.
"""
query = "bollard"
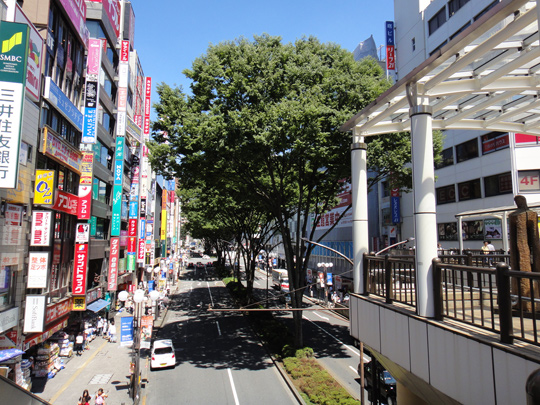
(505, 303)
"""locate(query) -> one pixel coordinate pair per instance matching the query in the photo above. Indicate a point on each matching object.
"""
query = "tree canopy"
(263, 117)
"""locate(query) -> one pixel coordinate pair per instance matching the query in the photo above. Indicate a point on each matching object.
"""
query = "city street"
(219, 359)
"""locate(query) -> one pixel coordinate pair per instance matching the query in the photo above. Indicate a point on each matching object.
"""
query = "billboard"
(113, 264)
(41, 228)
(79, 268)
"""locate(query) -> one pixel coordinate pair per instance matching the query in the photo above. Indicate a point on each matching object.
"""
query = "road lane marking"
(233, 388)
(320, 316)
(210, 292)
(352, 368)
(333, 337)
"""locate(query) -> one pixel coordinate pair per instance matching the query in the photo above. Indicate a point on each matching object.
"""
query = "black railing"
(490, 297)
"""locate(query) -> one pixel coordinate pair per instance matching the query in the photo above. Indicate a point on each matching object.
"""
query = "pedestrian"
(79, 341)
(85, 398)
(112, 332)
(105, 328)
(100, 397)
(99, 326)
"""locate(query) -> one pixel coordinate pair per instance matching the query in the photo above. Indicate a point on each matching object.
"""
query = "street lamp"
(325, 266)
(138, 298)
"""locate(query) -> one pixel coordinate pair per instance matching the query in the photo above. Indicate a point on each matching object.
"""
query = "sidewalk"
(105, 365)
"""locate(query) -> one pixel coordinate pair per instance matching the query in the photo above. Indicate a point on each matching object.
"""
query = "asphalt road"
(219, 360)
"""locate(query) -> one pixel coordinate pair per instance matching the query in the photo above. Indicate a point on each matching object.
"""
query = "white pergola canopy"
(486, 78)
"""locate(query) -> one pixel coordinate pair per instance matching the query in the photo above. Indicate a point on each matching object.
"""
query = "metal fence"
(488, 296)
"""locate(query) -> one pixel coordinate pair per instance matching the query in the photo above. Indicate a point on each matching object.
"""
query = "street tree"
(266, 115)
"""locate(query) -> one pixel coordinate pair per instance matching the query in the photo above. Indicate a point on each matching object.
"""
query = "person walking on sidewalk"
(112, 332)
(79, 341)
(85, 398)
(100, 397)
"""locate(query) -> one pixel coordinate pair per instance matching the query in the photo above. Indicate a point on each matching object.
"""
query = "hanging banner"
(79, 269)
(126, 331)
(147, 322)
(41, 228)
(93, 65)
(113, 264)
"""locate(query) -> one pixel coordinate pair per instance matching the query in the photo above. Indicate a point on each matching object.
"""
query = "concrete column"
(359, 207)
(425, 220)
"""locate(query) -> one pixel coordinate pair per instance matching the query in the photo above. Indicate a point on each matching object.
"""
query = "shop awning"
(9, 354)
(97, 305)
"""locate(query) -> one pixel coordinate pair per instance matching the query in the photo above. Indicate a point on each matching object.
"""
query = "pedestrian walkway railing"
(493, 298)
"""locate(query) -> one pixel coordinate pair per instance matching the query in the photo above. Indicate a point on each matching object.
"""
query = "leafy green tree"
(266, 115)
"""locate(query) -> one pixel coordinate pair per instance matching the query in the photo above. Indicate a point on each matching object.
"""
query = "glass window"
(437, 20)
(529, 180)
(108, 85)
(102, 228)
(494, 141)
(467, 150)
(7, 275)
(106, 119)
(455, 5)
(447, 158)
(498, 184)
(469, 190)
(446, 194)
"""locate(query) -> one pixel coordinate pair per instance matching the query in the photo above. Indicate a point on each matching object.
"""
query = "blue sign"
(274, 262)
(389, 29)
(118, 172)
(57, 98)
(90, 125)
(142, 229)
(126, 331)
(394, 203)
(151, 285)
(329, 278)
(119, 152)
(133, 209)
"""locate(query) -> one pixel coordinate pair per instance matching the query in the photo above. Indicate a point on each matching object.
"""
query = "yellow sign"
(44, 189)
(79, 303)
(163, 224)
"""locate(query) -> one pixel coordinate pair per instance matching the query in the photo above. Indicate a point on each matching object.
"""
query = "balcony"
(480, 347)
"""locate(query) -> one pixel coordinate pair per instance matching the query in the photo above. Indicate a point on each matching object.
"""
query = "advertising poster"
(146, 331)
(83, 233)
(126, 331)
(492, 229)
(37, 269)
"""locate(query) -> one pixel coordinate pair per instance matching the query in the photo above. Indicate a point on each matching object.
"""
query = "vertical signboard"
(91, 96)
(79, 268)
(390, 46)
(41, 228)
(117, 187)
(394, 202)
(38, 263)
(147, 105)
(34, 313)
(44, 186)
(13, 64)
(113, 264)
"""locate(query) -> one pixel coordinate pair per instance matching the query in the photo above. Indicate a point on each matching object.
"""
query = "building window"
(484, 11)
(447, 158)
(437, 20)
(106, 119)
(467, 150)
(447, 231)
(455, 34)
(529, 180)
(498, 184)
(469, 190)
(455, 5)
(446, 194)
(386, 214)
(102, 228)
(385, 189)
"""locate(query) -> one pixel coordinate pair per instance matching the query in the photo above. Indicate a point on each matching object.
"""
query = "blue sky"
(170, 34)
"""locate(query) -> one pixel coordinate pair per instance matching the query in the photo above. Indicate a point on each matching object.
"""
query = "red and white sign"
(132, 227)
(147, 95)
(113, 264)
(85, 199)
(390, 57)
(79, 269)
(57, 311)
(37, 269)
(132, 245)
(66, 202)
(82, 235)
(140, 252)
(124, 52)
(41, 228)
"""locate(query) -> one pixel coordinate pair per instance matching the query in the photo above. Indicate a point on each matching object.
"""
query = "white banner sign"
(41, 228)
(83, 233)
(38, 263)
(34, 313)
(11, 96)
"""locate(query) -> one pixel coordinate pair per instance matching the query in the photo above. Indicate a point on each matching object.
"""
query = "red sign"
(390, 58)
(79, 269)
(113, 264)
(57, 311)
(140, 253)
(85, 199)
(394, 192)
(132, 227)
(66, 202)
(124, 52)
(132, 245)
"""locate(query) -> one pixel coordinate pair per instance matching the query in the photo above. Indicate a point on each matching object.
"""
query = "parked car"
(162, 354)
(387, 383)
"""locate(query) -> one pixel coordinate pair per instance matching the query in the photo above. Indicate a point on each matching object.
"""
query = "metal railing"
(491, 297)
